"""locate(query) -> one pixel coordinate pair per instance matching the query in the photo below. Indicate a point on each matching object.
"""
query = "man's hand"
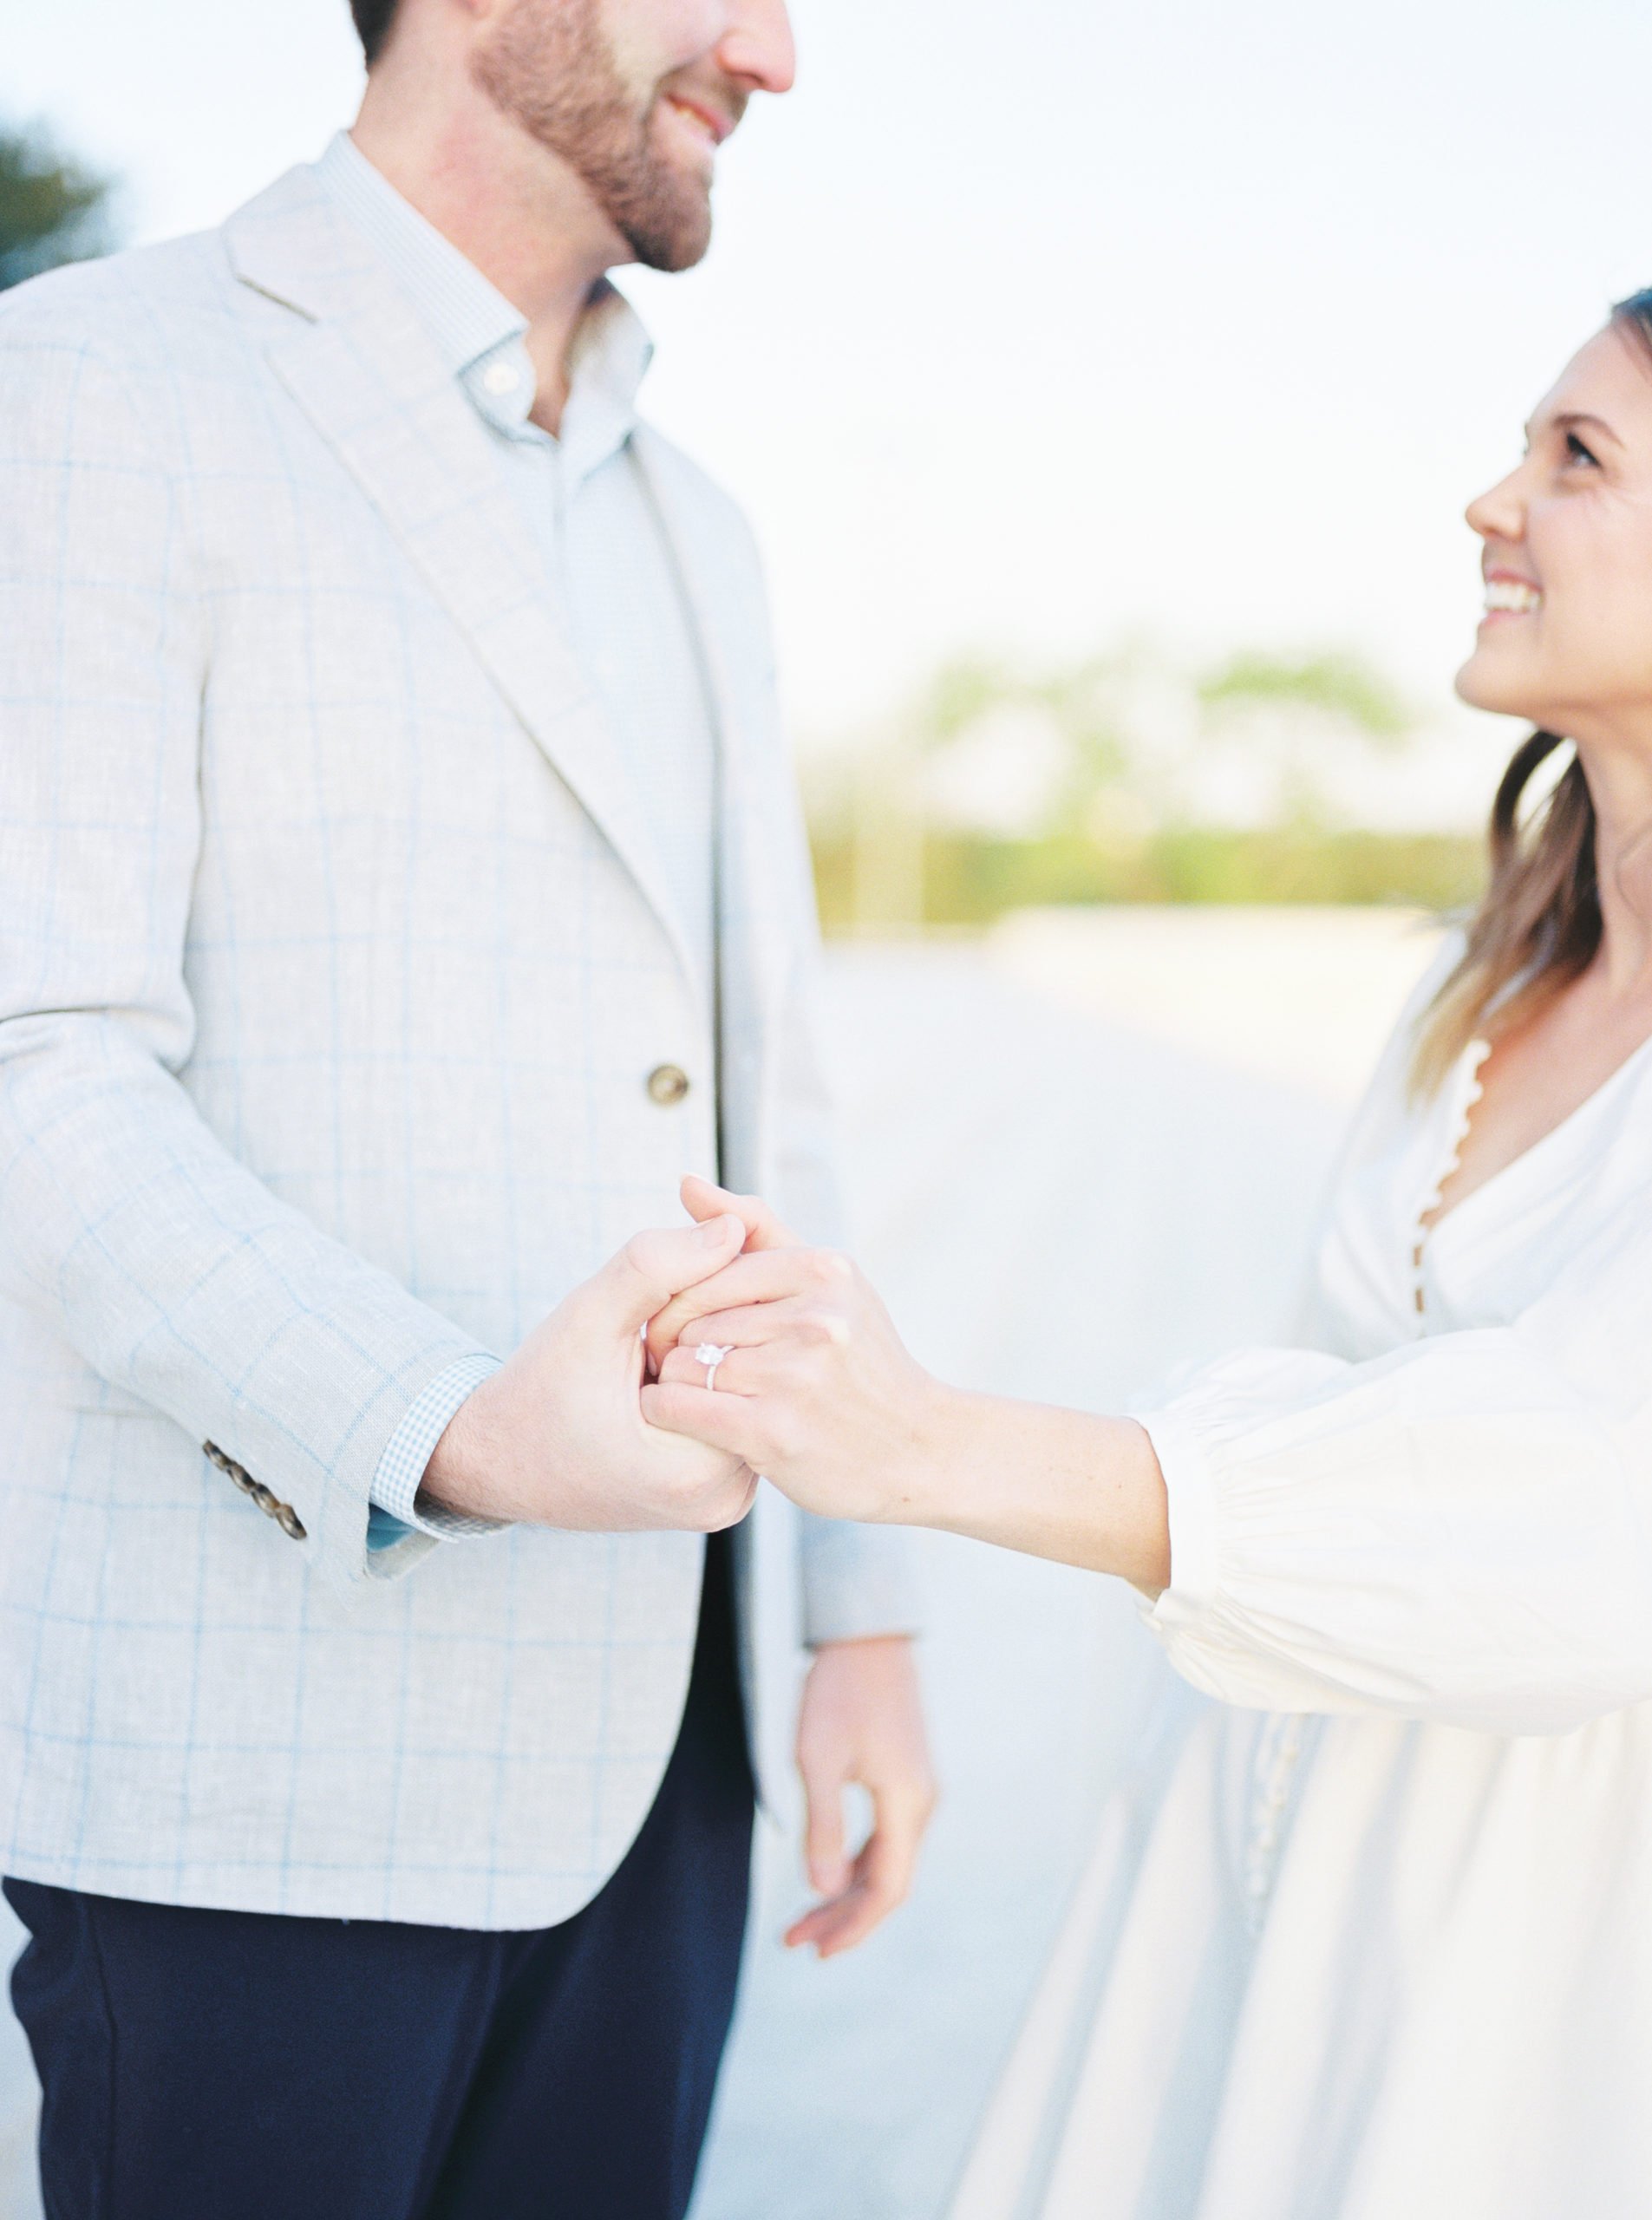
(862, 1721)
(556, 1437)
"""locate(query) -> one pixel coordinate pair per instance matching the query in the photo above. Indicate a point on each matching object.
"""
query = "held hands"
(555, 1437)
(817, 1391)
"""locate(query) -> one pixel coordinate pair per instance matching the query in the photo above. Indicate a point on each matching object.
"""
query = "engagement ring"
(711, 1356)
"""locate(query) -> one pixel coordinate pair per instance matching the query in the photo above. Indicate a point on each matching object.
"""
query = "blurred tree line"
(1122, 779)
(52, 209)
(1127, 778)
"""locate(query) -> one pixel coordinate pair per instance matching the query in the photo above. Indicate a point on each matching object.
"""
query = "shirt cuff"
(401, 1468)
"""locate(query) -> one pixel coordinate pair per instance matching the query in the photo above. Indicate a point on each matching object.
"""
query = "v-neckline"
(1466, 1083)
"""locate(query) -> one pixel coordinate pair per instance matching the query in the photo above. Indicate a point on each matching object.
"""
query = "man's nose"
(757, 50)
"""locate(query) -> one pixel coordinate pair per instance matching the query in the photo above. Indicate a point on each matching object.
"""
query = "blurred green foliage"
(970, 879)
(1338, 685)
(1136, 769)
(52, 210)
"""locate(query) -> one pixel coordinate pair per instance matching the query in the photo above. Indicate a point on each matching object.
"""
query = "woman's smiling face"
(1566, 639)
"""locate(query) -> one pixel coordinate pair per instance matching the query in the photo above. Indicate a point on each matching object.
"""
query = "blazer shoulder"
(134, 346)
(136, 305)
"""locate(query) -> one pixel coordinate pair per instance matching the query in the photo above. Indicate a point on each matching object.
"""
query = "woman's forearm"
(1068, 1485)
(813, 1386)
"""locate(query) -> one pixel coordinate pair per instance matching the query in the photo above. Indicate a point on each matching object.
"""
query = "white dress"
(1381, 1948)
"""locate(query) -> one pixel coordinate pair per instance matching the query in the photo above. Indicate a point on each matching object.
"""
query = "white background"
(1032, 325)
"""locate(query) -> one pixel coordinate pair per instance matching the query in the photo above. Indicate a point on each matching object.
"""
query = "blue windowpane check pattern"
(338, 947)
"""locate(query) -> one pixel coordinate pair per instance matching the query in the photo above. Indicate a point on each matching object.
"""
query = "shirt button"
(499, 377)
(667, 1085)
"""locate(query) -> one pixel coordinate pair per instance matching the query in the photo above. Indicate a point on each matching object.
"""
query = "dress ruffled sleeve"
(1459, 1530)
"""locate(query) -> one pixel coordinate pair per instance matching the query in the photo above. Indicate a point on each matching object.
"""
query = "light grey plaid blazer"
(333, 963)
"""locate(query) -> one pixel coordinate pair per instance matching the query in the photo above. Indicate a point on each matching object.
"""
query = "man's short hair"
(373, 19)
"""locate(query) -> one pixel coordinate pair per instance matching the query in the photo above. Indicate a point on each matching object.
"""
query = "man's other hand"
(862, 1723)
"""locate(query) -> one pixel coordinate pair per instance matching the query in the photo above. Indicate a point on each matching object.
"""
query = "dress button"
(502, 377)
(667, 1085)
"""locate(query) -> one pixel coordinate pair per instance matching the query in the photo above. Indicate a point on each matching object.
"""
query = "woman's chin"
(1485, 682)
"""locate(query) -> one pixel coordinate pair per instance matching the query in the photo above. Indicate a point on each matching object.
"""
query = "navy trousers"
(248, 2066)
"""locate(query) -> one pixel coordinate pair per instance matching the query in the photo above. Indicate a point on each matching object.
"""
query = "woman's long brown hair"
(1538, 923)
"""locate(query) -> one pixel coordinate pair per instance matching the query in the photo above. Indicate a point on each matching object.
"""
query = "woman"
(1380, 1944)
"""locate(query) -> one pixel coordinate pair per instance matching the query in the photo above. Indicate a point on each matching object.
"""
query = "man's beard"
(548, 69)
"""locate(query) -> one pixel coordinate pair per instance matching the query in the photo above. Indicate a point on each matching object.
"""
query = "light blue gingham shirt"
(584, 502)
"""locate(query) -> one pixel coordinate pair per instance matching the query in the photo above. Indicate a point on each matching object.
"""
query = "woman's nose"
(1499, 513)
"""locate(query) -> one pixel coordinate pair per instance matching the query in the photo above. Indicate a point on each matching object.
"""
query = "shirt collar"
(476, 330)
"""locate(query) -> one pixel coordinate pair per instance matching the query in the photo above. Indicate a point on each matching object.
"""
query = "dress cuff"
(401, 1468)
(1190, 1487)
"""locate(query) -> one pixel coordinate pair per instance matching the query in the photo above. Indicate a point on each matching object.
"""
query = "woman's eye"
(1576, 450)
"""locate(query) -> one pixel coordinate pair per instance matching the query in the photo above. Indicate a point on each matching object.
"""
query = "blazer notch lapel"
(363, 371)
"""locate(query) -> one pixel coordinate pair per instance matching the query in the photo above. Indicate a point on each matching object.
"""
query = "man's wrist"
(465, 1468)
(396, 1512)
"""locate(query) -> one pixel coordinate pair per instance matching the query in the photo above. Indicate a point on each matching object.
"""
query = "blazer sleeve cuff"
(859, 1581)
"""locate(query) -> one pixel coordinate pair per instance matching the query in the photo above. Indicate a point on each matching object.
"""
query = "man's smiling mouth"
(716, 127)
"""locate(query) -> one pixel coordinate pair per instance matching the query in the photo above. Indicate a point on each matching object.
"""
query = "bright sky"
(1027, 326)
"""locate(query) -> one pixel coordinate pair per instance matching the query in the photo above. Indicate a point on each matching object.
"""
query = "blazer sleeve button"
(667, 1085)
(266, 1498)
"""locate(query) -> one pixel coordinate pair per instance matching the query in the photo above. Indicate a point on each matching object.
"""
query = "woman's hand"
(817, 1390)
(704, 1203)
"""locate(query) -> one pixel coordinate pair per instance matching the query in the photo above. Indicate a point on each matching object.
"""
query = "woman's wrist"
(926, 1478)
(1074, 1485)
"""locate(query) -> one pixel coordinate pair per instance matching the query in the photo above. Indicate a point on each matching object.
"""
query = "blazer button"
(667, 1085)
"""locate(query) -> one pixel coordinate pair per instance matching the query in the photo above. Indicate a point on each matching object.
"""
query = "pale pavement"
(1083, 1151)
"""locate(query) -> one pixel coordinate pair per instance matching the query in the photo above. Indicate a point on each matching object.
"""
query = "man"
(402, 888)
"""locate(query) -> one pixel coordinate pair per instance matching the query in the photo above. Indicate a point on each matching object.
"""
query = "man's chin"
(670, 240)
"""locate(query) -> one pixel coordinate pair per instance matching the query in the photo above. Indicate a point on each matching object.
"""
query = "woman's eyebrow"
(1569, 419)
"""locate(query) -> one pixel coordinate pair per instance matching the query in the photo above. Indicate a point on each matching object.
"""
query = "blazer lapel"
(362, 369)
(754, 943)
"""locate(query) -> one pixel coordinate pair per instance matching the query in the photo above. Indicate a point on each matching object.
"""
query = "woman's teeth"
(1512, 594)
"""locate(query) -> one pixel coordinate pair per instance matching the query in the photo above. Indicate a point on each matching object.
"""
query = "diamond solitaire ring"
(711, 1356)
